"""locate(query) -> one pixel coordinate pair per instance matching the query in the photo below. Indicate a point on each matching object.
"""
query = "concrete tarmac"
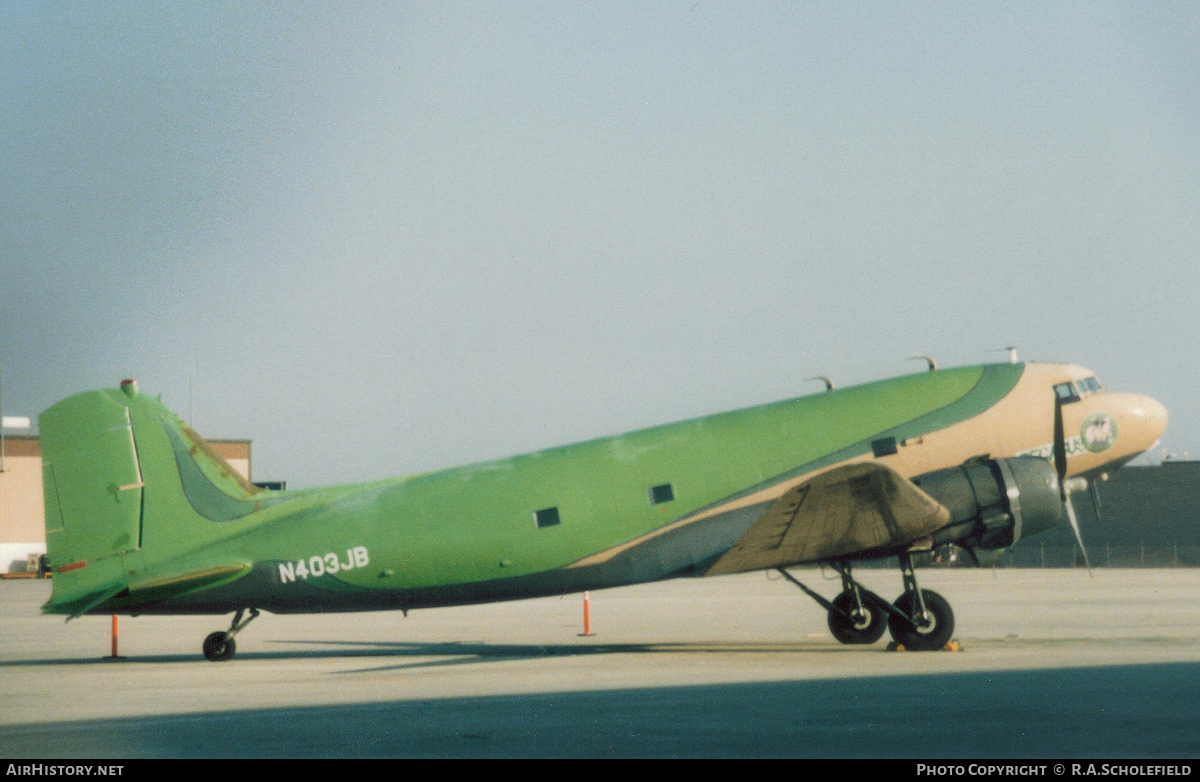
(1054, 665)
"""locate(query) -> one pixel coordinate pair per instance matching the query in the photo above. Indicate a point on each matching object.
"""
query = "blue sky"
(383, 238)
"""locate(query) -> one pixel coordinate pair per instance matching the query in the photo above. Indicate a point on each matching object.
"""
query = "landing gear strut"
(219, 646)
(856, 616)
(920, 619)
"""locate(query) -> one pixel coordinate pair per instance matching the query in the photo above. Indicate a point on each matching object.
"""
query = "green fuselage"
(520, 527)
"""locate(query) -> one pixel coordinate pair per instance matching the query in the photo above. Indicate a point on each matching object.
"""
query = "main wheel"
(932, 631)
(219, 647)
(863, 627)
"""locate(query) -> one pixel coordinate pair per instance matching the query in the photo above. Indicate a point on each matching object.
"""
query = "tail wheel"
(219, 646)
(854, 626)
(925, 633)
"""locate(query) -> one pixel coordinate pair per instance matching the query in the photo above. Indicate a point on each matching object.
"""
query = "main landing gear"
(920, 619)
(219, 646)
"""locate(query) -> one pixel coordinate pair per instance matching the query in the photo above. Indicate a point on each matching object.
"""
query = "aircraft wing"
(847, 510)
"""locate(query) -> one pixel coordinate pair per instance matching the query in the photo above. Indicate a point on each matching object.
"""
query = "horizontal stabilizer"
(148, 590)
(845, 511)
(162, 587)
(79, 607)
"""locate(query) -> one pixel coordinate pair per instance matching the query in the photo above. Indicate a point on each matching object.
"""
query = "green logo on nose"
(1099, 432)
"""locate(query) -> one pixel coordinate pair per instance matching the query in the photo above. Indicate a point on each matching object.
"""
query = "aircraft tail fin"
(127, 486)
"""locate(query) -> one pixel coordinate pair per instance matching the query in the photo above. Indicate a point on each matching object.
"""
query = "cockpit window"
(1066, 392)
(1090, 385)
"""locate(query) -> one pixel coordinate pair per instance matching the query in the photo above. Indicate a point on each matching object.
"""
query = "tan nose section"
(1155, 416)
(1145, 418)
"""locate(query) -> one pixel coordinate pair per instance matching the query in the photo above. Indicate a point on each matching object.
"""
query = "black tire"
(218, 647)
(865, 629)
(923, 638)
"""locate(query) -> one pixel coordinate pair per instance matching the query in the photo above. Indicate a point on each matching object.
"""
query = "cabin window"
(547, 517)
(884, 447)
(1065, 392)
(662, 493)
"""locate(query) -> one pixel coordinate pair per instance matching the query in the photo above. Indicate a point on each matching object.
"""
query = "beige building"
(22, 525)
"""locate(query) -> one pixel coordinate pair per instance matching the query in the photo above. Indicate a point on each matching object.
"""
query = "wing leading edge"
(845, 511)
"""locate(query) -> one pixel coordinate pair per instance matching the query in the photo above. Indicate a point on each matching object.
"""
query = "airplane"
(143, 517)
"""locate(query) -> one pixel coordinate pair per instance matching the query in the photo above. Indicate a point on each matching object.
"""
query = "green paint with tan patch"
(457, 527)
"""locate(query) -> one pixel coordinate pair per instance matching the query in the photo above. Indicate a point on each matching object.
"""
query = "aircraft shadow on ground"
(458, 652)
(469, 653)
(1144, 711)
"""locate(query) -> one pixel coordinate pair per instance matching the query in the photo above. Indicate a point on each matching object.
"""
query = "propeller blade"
(1070, 506)
(1065, 487)
(1060, 445)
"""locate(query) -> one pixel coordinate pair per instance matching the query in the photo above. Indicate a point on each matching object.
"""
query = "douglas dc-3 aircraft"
(142, 517)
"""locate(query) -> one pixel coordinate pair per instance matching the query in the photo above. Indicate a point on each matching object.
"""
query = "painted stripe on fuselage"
(996, 382)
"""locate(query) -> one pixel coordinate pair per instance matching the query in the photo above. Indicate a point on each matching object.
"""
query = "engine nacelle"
(994, 503)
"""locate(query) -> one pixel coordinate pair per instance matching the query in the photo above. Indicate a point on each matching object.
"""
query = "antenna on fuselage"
(932, 363)
(1012, 353)
(828, 383)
